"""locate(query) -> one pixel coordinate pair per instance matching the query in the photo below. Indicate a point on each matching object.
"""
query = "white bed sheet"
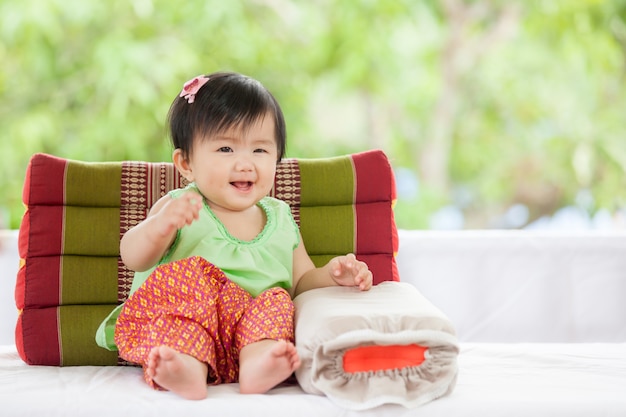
(498, 288)
(494, 380)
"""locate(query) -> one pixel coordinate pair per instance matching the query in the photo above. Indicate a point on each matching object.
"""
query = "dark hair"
(227, 100)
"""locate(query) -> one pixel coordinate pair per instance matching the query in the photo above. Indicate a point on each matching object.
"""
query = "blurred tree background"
(495, 114)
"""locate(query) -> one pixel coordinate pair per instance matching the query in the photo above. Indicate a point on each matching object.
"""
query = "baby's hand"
(179, 212)
(350, 272)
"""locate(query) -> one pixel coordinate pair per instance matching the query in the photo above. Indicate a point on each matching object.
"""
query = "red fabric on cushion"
(382, 266)
(47, 187)
(37, 336)
(375, 226)
(43, 286)
(22, 247)
(39, 244)
(45, 231)
(373, 183)
(383, 357)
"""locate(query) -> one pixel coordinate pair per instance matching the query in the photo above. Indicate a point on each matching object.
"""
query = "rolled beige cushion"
(338, 327)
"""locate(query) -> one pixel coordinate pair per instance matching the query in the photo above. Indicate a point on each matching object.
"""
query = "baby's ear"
(182, 164)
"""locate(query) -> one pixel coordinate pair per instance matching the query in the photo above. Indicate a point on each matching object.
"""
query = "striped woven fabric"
(71, 274)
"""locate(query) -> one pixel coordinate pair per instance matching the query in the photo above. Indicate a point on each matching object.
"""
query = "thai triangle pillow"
(71, 275)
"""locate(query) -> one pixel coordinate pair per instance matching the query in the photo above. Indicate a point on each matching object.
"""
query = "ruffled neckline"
(269, 223)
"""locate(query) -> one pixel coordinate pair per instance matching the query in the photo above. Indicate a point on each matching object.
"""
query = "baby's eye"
(260, 150)
(225, 149)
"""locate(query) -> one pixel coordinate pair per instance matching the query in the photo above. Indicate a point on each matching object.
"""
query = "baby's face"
(235, 169)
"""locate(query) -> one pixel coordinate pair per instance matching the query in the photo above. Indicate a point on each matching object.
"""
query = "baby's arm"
(146, 243)
(342, 270)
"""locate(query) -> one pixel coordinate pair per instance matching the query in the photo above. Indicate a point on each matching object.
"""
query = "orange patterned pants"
(192, 307)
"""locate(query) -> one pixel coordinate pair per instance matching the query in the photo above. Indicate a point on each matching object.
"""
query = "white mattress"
(586, 379)
(500, 289)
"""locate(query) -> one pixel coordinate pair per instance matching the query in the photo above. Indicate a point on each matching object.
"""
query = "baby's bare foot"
(265, 364)
(178, 372)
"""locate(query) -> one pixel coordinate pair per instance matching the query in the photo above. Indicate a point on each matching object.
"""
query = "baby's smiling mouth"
(242, 185)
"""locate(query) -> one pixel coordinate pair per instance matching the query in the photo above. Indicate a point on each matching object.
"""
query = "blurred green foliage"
(482, 104)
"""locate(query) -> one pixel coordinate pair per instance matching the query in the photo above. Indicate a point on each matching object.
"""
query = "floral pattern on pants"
(191, 306)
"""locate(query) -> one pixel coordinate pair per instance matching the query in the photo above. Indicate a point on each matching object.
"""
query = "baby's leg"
(189, 325)
(265, 364)
(177, 372)
(265, 334)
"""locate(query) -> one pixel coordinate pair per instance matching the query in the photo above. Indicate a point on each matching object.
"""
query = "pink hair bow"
(191, 87)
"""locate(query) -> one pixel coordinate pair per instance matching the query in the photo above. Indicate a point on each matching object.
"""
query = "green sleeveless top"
(255, 265)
